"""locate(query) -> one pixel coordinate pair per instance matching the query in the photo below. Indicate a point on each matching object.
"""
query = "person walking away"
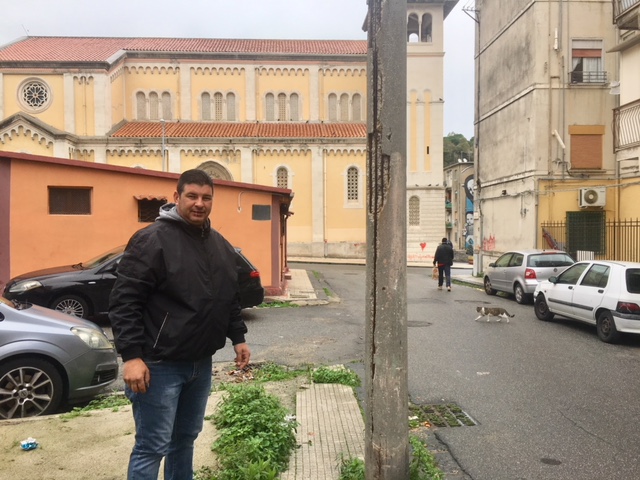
(443, 258)
(173, 305)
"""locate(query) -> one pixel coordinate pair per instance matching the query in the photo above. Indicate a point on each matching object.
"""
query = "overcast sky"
(291, 19)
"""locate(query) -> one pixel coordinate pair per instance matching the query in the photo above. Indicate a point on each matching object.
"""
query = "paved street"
(550, 399)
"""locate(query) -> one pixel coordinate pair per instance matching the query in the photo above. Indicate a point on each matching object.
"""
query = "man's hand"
(136, 375)
(243, 354)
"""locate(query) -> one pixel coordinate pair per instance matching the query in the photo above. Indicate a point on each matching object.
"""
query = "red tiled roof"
(100, 49)
(242, 130)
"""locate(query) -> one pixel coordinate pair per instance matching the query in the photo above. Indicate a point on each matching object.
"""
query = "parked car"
(47, 358)
(603, 293)
(519, 272)
(83, 289)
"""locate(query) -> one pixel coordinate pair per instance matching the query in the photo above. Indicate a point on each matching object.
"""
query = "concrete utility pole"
(387, 430)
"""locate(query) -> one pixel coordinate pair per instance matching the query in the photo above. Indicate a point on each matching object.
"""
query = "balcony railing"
(626, 126)
(626, 14)
(587, 77)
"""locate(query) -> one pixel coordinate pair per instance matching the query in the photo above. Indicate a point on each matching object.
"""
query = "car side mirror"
(492, 264)
(111, 268)
(553, 280)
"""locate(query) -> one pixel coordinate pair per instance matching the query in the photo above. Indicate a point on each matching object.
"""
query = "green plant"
(338, 374)
(256, 434)
(278, 304)
(270, 372)
(423, 464)
(328, 292)
(351, 469)
(102, 402)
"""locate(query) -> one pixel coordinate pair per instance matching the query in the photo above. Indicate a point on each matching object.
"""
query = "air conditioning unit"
(593, 197)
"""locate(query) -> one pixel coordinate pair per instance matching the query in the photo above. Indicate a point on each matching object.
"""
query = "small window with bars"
(282, 177)
(282, 107)
(148, 210)
(414, 211)
(352, 185)
(217, 106)
(333, 107)
(70, 201)
(231, 107)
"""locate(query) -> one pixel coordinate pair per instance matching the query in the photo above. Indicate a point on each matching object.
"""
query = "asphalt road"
(551, 401)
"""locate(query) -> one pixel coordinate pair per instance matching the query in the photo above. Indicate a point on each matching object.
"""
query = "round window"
(34, 95)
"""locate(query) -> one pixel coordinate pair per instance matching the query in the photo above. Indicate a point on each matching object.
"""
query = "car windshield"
(100, 259)
(543, 260)
(633, 280)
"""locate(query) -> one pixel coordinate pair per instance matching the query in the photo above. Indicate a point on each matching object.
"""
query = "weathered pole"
(387, 431)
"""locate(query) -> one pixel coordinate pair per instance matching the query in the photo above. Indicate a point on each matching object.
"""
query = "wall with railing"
(610, 240)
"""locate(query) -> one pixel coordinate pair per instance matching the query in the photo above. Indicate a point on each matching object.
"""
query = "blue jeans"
(168, 417)
(444, 271)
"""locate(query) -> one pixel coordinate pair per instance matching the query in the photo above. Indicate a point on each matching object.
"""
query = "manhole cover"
(439, 415)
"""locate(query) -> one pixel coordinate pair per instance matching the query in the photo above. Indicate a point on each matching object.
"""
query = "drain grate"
(444, 415)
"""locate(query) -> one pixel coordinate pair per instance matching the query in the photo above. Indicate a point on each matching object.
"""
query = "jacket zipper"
(160, 331)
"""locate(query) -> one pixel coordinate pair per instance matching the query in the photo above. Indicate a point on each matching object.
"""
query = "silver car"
(47, 358)
(519, 272)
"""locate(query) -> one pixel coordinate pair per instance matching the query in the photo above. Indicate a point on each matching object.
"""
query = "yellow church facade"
(284, 113)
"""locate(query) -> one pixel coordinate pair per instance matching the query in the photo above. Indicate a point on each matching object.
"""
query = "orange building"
(55, 211)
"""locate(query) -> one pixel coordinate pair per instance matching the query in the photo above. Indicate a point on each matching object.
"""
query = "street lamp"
(164, 167)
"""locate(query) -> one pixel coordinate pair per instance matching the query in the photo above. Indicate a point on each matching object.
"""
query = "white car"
(599, 292)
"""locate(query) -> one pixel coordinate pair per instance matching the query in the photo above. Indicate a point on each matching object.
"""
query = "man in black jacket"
(443, 258)
(173, 305)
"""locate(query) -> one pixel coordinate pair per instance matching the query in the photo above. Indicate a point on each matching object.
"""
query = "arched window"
(352, 185)
(294, 107)
(217, 106)
(333, 107)
(206, 106)
(344, 107)
(269, 108)
(282, 177)
(141, 106)
(153, 106)
(425, 28)
(231, 107)
(413, 29)
(282, 107)
(414, 211)
(356, 108)
(166, 106)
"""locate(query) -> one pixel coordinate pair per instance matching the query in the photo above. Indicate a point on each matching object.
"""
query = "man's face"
(195, 202)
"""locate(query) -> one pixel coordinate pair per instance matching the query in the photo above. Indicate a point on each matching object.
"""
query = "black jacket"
(176, 295)
(443, 255)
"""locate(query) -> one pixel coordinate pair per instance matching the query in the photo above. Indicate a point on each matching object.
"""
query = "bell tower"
(425, 113)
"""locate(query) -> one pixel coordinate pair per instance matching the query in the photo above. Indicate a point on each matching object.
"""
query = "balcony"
(447, 204)
(588, 78)
(626, 14)
(626, 126)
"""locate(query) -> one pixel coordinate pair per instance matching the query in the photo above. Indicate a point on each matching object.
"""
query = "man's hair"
(444, 240)
(199, 177)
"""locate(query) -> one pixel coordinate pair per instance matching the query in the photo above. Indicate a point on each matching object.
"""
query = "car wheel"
(521, 297)
(487, 287)
(542, 309)
(606, 328)
(71, 305)
(29, 387)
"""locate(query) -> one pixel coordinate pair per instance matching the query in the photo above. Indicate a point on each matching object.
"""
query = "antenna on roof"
(25, 30)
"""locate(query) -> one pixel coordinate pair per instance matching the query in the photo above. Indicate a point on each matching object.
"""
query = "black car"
(83, 289)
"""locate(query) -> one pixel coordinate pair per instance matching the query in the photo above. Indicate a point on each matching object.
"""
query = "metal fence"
(609, 240)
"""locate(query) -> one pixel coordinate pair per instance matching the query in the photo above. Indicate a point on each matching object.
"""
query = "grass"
(422, 464)
(278, 304)
(256, 436)
(102, 402)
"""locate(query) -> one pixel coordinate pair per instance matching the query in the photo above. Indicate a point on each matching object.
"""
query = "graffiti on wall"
(489, 244)
(469, 190)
